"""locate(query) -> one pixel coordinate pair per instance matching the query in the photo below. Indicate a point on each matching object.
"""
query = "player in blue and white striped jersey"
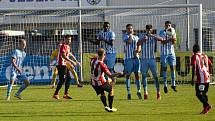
(147, 45)
(132, 61)
(17, 58)
(107, 37)
(168, 54)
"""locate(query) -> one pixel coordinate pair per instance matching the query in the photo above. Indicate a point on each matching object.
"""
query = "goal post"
(44, 27)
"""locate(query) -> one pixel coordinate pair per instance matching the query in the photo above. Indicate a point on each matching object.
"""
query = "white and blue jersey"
(148, 47)
(19, 56)
(108, 36)
(129, 49)
(168, 48)
(132, 63)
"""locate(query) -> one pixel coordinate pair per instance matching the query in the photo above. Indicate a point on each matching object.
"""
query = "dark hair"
(167, 22)
(106, 23)
(196, 48)
(148, 26)
(67, 36)
(129, 25)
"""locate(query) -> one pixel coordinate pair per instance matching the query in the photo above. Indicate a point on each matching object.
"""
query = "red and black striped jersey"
(98, 71)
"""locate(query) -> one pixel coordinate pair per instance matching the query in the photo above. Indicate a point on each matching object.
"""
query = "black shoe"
(174, 88)
(79, 85)
(165, 90)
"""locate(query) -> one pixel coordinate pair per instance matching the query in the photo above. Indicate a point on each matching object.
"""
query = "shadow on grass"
(94, 113)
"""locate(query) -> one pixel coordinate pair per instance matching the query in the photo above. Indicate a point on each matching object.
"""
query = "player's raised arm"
(74, 58)
(128, 36)
(13, 61)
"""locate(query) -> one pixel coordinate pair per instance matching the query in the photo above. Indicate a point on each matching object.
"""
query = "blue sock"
(157, 84)
(128, 86)
(138, 85)
(173, 77)
(21, 89)
(144, 81)
(9, 88)
(164, 74)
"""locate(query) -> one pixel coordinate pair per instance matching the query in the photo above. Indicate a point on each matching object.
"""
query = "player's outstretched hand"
(120, 74)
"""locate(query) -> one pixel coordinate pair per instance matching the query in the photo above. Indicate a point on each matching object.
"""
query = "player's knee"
(27, 82)
(137, 76)
(128, 76)
(144, 75)
(103, 94)
(172, 67)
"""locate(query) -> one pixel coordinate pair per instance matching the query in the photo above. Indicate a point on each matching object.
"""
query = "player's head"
(68, 39)
(129, 28)
(106, 26)
(101, 53)
(22, 44)
(167, 24)
(148, 29)
(196, 48)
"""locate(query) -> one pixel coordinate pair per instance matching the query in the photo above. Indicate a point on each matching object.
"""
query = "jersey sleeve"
(141, 36)
(125, 38)
(161, 34)
(63, 49)
(137, 38)
(98, 35)
(193, 60)
(14, 54)
(104, 68)
(209, 61)
(113, 36)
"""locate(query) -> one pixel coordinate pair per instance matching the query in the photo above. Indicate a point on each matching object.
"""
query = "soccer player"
(53, 64)
(107, 37)
(99, 82)
(167, 55)
(63, 72)
(200, 67)
(147, 43)
(16, 72)
(69, 66)
(132, 61)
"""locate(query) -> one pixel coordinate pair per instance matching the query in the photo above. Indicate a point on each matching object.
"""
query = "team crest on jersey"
(93, 2)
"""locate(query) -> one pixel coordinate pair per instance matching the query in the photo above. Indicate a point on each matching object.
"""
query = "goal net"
(43, 29)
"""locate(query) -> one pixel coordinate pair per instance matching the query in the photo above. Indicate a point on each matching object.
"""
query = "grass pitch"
(38, 105)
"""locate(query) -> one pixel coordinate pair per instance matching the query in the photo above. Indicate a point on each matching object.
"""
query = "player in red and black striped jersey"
(63, 72)
(99, 82)
(200, 67)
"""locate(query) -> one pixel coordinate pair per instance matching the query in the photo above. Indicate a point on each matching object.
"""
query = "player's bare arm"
(66, 58)
(114, 74)
(174, 40)
(14, 64)
(139, 43)
(156, 37)
(74, 58)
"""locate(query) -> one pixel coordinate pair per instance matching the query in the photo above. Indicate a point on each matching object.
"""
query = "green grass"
(38, 105)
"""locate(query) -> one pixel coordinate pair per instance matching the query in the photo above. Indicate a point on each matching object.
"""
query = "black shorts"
(105, 87)
(205, 88)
